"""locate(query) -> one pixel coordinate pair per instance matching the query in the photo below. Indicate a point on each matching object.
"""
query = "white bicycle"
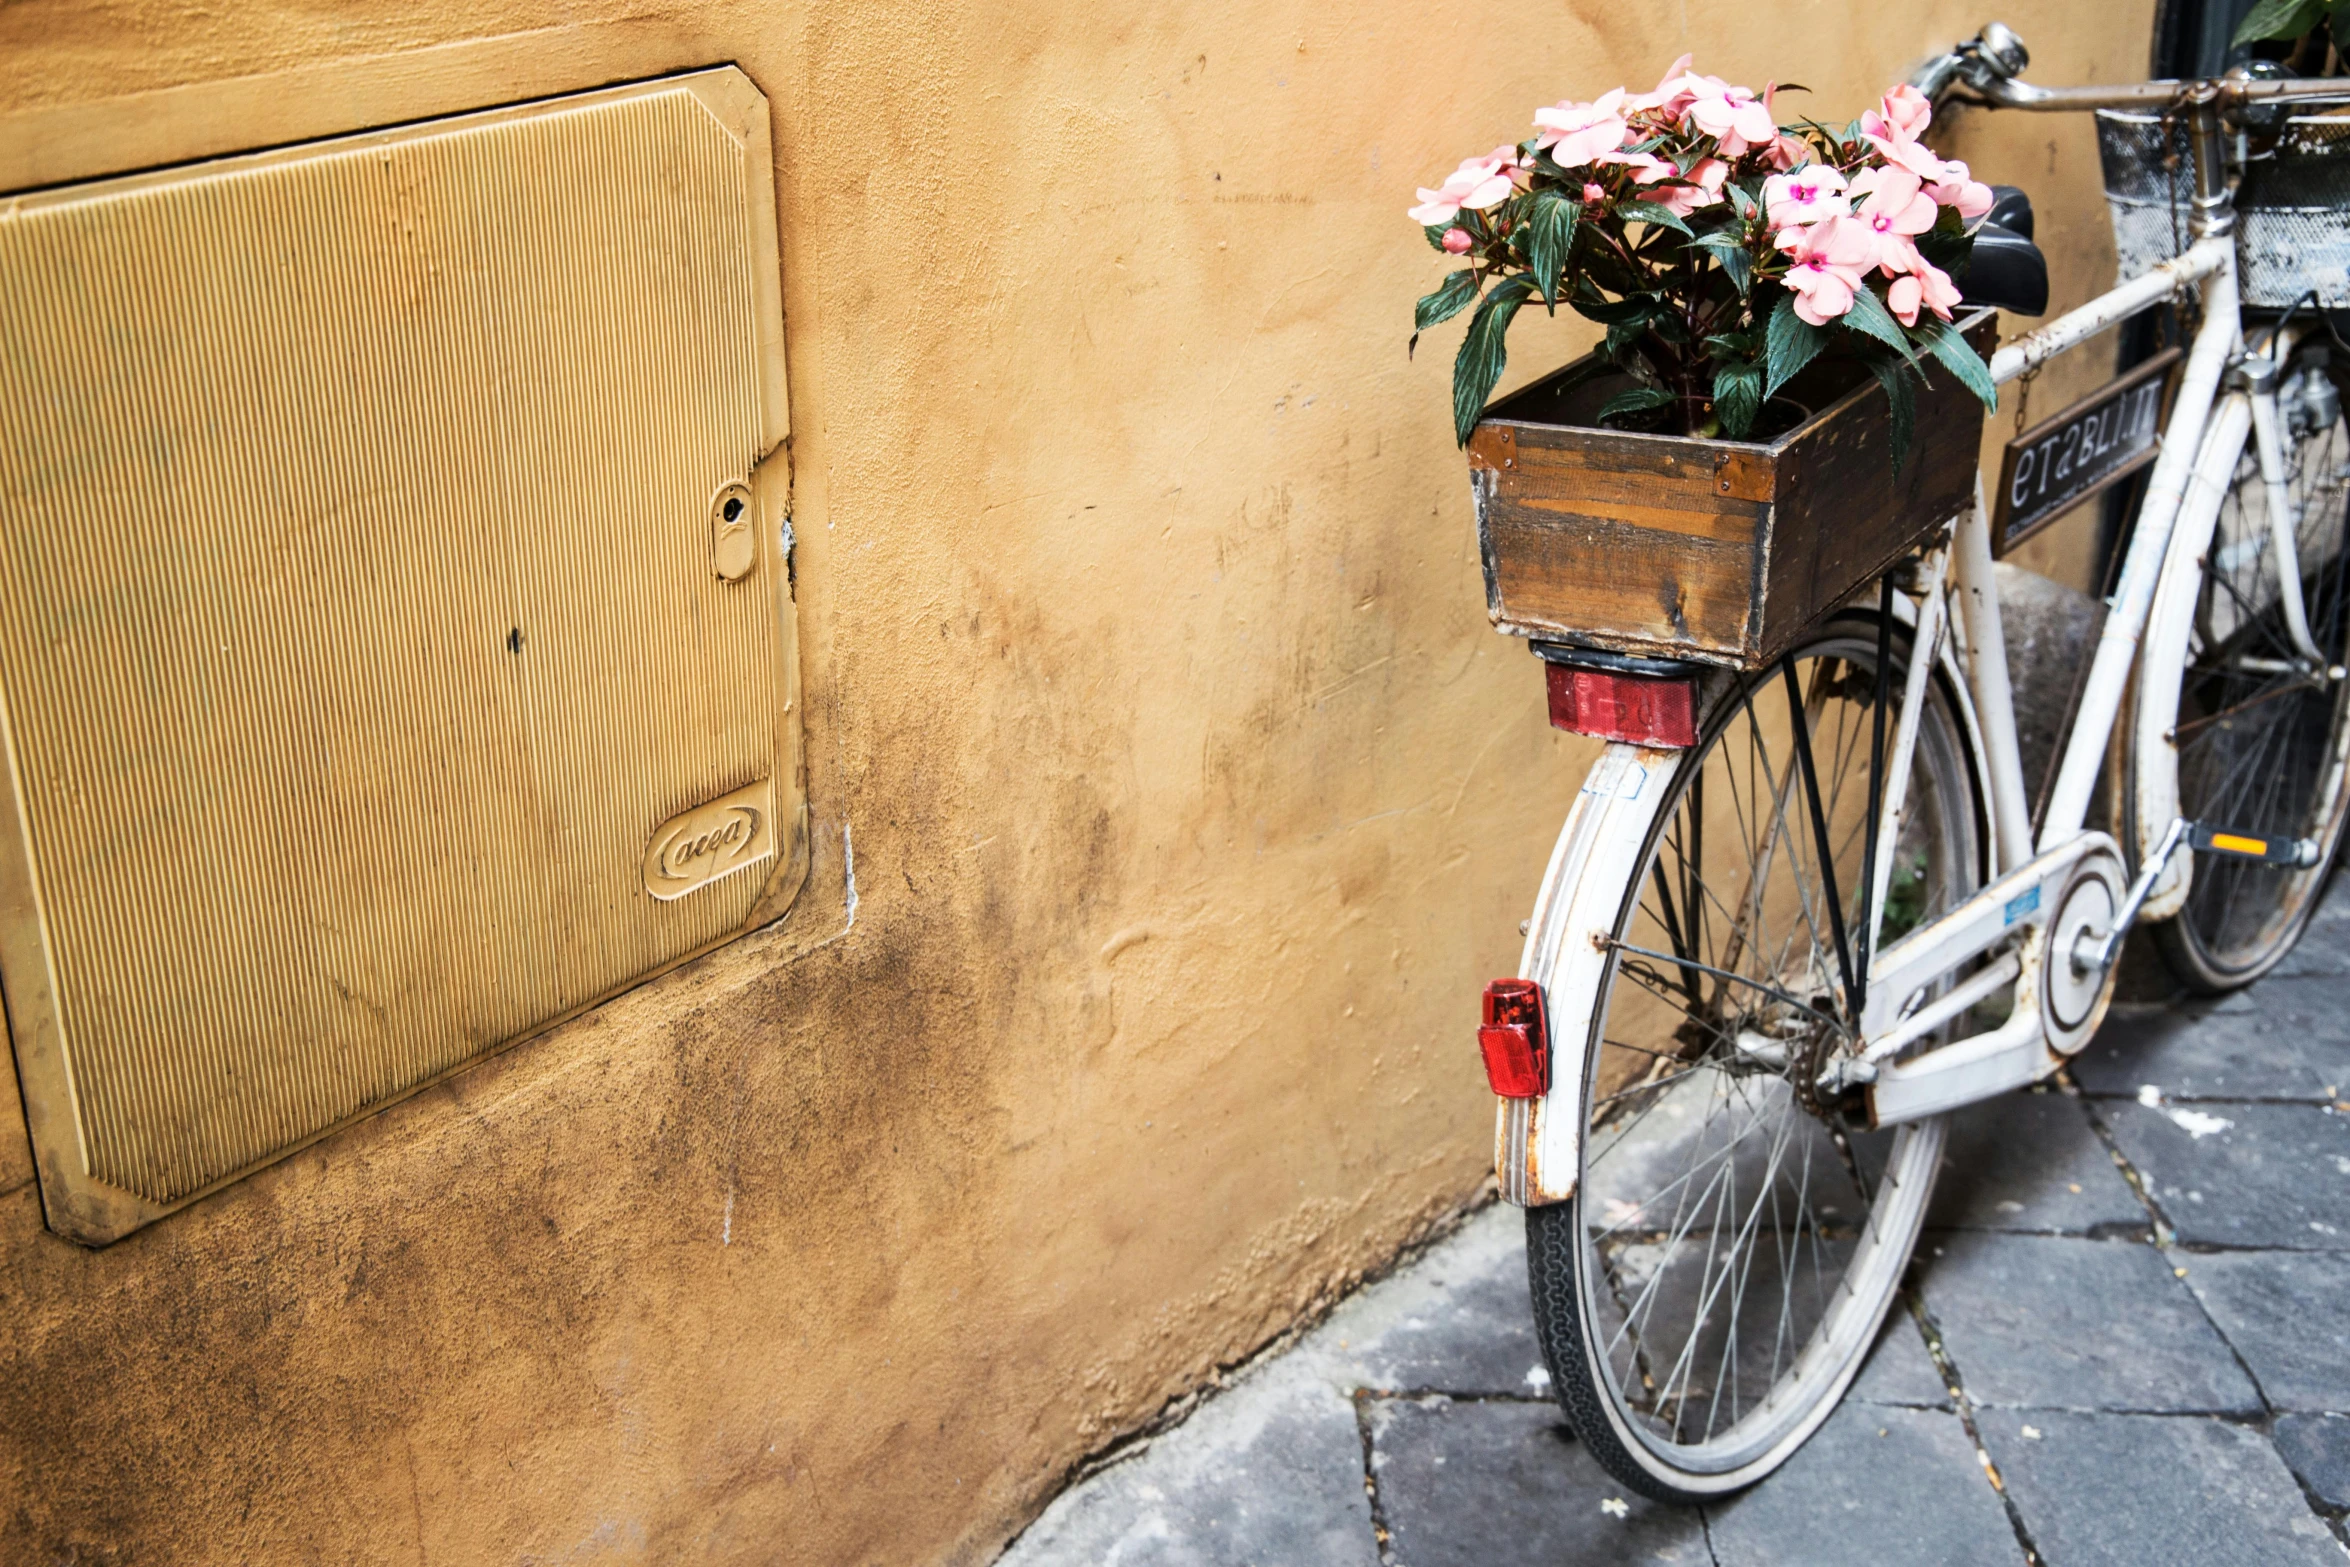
(1771, 961)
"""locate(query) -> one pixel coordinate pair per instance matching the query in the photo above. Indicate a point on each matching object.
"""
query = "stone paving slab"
(2317, 1449)
(2277, 1046)
(1834, 1504)
(1460, 1322)
(2324, 948)
(1477, 1484)
(2051, 1322)
(1271, 1473)
(1899, 1370)
(2111, 1391)
(2133, 1490)
(2270, 1176)
(2288, 1316)
(2031, 1161)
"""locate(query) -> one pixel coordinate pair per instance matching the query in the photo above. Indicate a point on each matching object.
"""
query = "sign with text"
(2062, 461)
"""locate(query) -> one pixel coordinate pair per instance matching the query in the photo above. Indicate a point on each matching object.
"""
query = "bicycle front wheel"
(1733, 1243)
(2260, 732)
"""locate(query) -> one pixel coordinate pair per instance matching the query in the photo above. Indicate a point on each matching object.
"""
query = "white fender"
(1537, 1141)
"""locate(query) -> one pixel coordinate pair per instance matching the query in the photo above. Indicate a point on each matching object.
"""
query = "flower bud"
(1457, 241)
(1593, 195)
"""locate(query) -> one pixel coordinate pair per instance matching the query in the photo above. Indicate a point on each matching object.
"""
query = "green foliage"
(2289, 19)
(1894, 377)
(1449, 300)
(1631, 310)
(1478, 366)
(1633, 401)
(1789, 343)
(1649, 212)
(1868, 314)
(1550, 233)
(1948, 345)
(1737, 398)
(1622, 338)
(1730, 251)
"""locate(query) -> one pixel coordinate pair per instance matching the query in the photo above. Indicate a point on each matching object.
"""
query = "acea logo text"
(713, 840)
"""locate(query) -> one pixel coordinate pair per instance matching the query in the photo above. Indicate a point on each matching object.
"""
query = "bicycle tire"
(1579, 1272)
(2280, 776)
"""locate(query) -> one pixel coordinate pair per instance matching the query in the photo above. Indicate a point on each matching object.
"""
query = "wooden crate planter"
(1715, 550)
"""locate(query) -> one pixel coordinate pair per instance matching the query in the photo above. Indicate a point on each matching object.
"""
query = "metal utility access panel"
(396, 653)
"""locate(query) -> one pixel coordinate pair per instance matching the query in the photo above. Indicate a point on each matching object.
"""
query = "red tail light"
(1516, 1039)
(1644, 709)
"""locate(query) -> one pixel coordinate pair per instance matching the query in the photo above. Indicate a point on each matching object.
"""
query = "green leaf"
(1634, 309)
(1742, 199)
(1477, 367)
(1737, 398)
(1633, 400)
(1449, 300)
(1650, 212)
(1623, 335)
(1789, 344)
(1868, 314)
(1894, 378)
(2277, 19)
(1949, 345)
(1736, 262)
(1550, 229)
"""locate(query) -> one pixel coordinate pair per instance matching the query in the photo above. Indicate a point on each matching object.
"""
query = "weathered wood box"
(1714, 550)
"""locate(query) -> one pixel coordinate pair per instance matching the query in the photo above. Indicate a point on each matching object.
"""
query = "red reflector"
(1515, 1038)
(1644, 709)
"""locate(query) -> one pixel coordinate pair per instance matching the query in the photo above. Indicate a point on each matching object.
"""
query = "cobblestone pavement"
(2138, 1283)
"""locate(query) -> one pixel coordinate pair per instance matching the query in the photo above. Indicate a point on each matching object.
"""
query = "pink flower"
(1897, 142)
(1647, 168)
(1830, 258)
(1732, 115)
(1904, 110)
(1805, 196)
(1957, 188)
(1457, 241)
(1477, 184)
(1671, 95)
(1897, 207)
(1789, 153)
(1700, 187)
(1576, 133)
(1593, 193)
(1924, 283)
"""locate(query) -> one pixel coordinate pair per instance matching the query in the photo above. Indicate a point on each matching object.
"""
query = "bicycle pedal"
(2297, 853)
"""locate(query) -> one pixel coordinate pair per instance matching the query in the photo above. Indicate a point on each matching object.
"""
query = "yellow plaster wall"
(1190, 798)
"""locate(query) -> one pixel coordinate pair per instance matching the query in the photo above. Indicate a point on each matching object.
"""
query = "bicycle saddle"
(2006, 270)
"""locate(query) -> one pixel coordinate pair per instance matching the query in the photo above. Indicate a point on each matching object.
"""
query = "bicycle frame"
(2037, 880)
(2062, 890)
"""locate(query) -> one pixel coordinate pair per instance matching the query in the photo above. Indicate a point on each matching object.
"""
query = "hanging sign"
(2062, 461)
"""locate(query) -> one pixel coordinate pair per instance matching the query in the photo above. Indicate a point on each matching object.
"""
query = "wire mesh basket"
(2293, 207)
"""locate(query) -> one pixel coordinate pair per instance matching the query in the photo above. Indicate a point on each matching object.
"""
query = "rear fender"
(1536, 1151)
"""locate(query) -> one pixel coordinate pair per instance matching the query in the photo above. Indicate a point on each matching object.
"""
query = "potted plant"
(1783, 402)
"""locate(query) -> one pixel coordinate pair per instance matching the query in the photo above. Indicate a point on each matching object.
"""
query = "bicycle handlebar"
(1988, 69)
(2222, 93)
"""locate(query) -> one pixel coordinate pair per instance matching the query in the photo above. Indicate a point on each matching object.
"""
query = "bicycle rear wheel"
(2260, 735)
(1732, 1244)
